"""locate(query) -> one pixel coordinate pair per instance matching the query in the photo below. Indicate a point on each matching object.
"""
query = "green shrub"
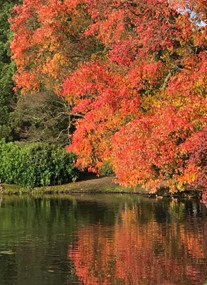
(106, 169)
(37, 164)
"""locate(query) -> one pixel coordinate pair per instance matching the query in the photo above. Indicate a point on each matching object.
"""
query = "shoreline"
(105, 185)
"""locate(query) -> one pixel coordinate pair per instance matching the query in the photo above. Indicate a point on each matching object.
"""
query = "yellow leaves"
(200, 37)
(53, 47)
(200, 86)
(58, 59)
(53, 65)
(188, 177)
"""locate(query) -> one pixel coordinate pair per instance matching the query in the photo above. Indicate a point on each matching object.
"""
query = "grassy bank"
(94, 185)
(9, 189)
(90, 185)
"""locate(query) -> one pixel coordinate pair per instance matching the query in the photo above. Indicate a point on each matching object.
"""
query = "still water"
(102, 240)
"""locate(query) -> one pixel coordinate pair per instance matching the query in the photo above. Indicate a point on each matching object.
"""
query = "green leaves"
(36, 164)
(7, 70)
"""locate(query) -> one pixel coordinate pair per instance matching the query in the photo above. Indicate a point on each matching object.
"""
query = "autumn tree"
(48, 43)
(134, 75)
(143, 104)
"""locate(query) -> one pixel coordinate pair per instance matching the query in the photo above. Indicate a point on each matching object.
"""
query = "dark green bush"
(106, 169)
(37, 164)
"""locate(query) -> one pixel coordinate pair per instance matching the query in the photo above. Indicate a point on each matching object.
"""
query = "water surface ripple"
(102, 240)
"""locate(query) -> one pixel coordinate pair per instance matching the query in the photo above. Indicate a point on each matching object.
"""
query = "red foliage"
(198, 157)
(139, 100)
(47, 43)
(158, 91)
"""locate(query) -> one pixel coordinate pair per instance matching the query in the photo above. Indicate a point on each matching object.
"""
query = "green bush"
(37, 164)
(106, 169)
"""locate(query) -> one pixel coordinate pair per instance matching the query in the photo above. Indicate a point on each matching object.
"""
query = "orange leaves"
(46, 41)
(146, 152)
(27, 81)
(188, 177)
(103, 100)
(134, 73)
(150, 150)
(146, 100)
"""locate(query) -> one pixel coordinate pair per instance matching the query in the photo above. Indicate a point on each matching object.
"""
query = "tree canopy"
(7, 70)
(134, 75)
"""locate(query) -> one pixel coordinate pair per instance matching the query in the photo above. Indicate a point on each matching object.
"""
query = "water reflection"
(156, 243)
(102, 240)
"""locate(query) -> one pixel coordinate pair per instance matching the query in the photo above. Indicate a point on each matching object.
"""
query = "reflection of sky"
(193, 16)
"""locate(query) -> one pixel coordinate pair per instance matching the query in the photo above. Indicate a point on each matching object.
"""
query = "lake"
(101, 240)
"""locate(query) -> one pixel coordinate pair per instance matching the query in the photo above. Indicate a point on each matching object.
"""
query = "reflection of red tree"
(92, 255)
(132, 254)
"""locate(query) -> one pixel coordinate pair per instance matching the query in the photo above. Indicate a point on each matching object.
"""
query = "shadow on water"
(102, 239)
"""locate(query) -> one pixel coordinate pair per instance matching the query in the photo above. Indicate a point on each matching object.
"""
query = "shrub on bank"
(106, 169)
(36, 164)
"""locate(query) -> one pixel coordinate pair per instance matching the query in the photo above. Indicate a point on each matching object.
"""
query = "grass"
(89, 185)
(13, 189)
(95, 185)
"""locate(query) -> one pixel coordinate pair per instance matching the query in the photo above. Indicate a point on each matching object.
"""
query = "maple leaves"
(47, 43)
(154, 141)
(134, 74)
(103, 101)
(162, 102)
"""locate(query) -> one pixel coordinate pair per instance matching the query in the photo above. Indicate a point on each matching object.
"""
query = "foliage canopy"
(134, 74)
